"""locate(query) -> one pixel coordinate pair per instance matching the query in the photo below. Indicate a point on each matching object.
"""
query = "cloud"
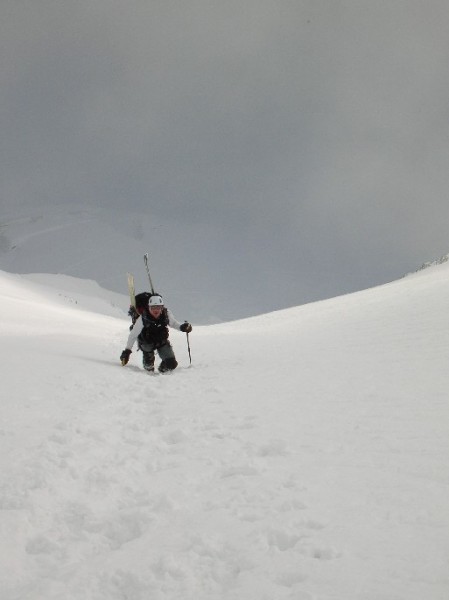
(317, 128)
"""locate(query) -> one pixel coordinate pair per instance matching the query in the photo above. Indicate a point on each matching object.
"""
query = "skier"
(151, 332)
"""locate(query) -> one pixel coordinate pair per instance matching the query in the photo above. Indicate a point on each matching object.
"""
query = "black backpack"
(142, 300)
(141, 304)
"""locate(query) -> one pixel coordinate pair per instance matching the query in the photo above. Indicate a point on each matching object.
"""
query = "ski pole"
(188, 348)
(145, 258)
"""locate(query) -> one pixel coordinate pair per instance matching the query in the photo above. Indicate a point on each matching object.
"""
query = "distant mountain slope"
(103, 246)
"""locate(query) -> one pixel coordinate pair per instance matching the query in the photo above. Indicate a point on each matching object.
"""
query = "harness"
(155, 331)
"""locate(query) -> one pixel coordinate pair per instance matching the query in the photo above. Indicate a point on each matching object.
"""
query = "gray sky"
(294, 149)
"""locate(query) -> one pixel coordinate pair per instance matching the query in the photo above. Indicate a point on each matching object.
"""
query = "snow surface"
(304, 455)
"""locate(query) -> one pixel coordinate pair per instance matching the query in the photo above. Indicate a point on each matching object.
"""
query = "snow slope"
(303, 456)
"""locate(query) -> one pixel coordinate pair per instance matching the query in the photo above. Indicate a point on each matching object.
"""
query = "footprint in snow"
(282, 540)
(292, 578)
(318, 551)
(176, 437)
(244, 470)
(272, 448)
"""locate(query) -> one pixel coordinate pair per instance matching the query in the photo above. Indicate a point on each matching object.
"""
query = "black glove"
(186, 327)
(124, 356)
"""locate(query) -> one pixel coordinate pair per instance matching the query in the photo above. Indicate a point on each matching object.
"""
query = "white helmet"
(156, 301)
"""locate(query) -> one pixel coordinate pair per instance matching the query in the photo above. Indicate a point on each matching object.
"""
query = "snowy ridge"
(303, 456)
(433, 263)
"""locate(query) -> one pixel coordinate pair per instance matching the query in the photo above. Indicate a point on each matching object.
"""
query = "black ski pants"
(165, 352)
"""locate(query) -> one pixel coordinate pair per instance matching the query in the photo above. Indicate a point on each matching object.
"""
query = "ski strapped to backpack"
(145, 259)
(131, 290)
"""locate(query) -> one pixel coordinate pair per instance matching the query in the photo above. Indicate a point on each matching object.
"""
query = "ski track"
(149, 439)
